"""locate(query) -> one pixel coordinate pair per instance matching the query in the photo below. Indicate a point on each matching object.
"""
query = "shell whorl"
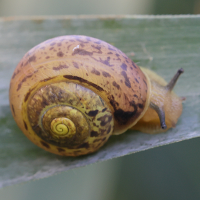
(69, 116)
(88, 63)
(63, 127)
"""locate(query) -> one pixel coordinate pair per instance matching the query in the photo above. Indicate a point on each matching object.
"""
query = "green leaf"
(161, 43)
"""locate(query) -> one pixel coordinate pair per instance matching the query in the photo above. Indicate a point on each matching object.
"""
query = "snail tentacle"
(160, 113)
(173, 81)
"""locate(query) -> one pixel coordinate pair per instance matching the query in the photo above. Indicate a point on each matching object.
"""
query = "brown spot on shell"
(105, 119)
(145, 82)
(32, 58)
(133, 104)
(15, 73)
(97, 140)
(111, 48)
(60, 149)
(113, 102)
(116, 85)
(102, 131)
(60, 54)
(60, 67)
(76, 65)
(134, 65)
(44, 102)
(28, 94)
(120, 115)
(109, 129)
(13, 109)
(106, 62)
(95, 124)
(82, 45)
(97, 47)
(13, 76)
(69, 46)
(45, 144)
(23, 80)
(127, 82)
(124, 66)
(96, 72)
(25, 125)
(124, 116)
(106, 74)
(136, 80)
(94, 134)
(84, 145)
(141, 106)
(104, 109)
(92, 113)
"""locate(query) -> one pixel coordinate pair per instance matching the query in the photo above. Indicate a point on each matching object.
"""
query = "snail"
(69, 94)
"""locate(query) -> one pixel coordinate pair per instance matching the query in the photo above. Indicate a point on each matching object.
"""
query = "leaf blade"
(162, 44)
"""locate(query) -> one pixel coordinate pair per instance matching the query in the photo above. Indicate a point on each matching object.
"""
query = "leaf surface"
(161, 43)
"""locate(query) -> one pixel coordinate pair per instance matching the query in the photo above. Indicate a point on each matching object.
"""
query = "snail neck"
(165, 106)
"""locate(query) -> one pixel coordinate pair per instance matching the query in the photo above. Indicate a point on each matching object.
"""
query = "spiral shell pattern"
(69, 117)
(63, 127)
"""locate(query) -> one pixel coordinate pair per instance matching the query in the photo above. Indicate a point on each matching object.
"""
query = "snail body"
(71, 93)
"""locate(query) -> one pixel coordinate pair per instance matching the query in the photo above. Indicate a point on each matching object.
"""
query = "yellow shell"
(70, 93)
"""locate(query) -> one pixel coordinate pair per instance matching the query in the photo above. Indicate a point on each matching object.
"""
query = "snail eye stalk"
(161, 114)
(173, 81)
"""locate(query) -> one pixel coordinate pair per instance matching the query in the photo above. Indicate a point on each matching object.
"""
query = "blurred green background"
(168, 172)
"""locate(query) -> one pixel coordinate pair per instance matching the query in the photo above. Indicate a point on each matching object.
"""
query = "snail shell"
(71, 93)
